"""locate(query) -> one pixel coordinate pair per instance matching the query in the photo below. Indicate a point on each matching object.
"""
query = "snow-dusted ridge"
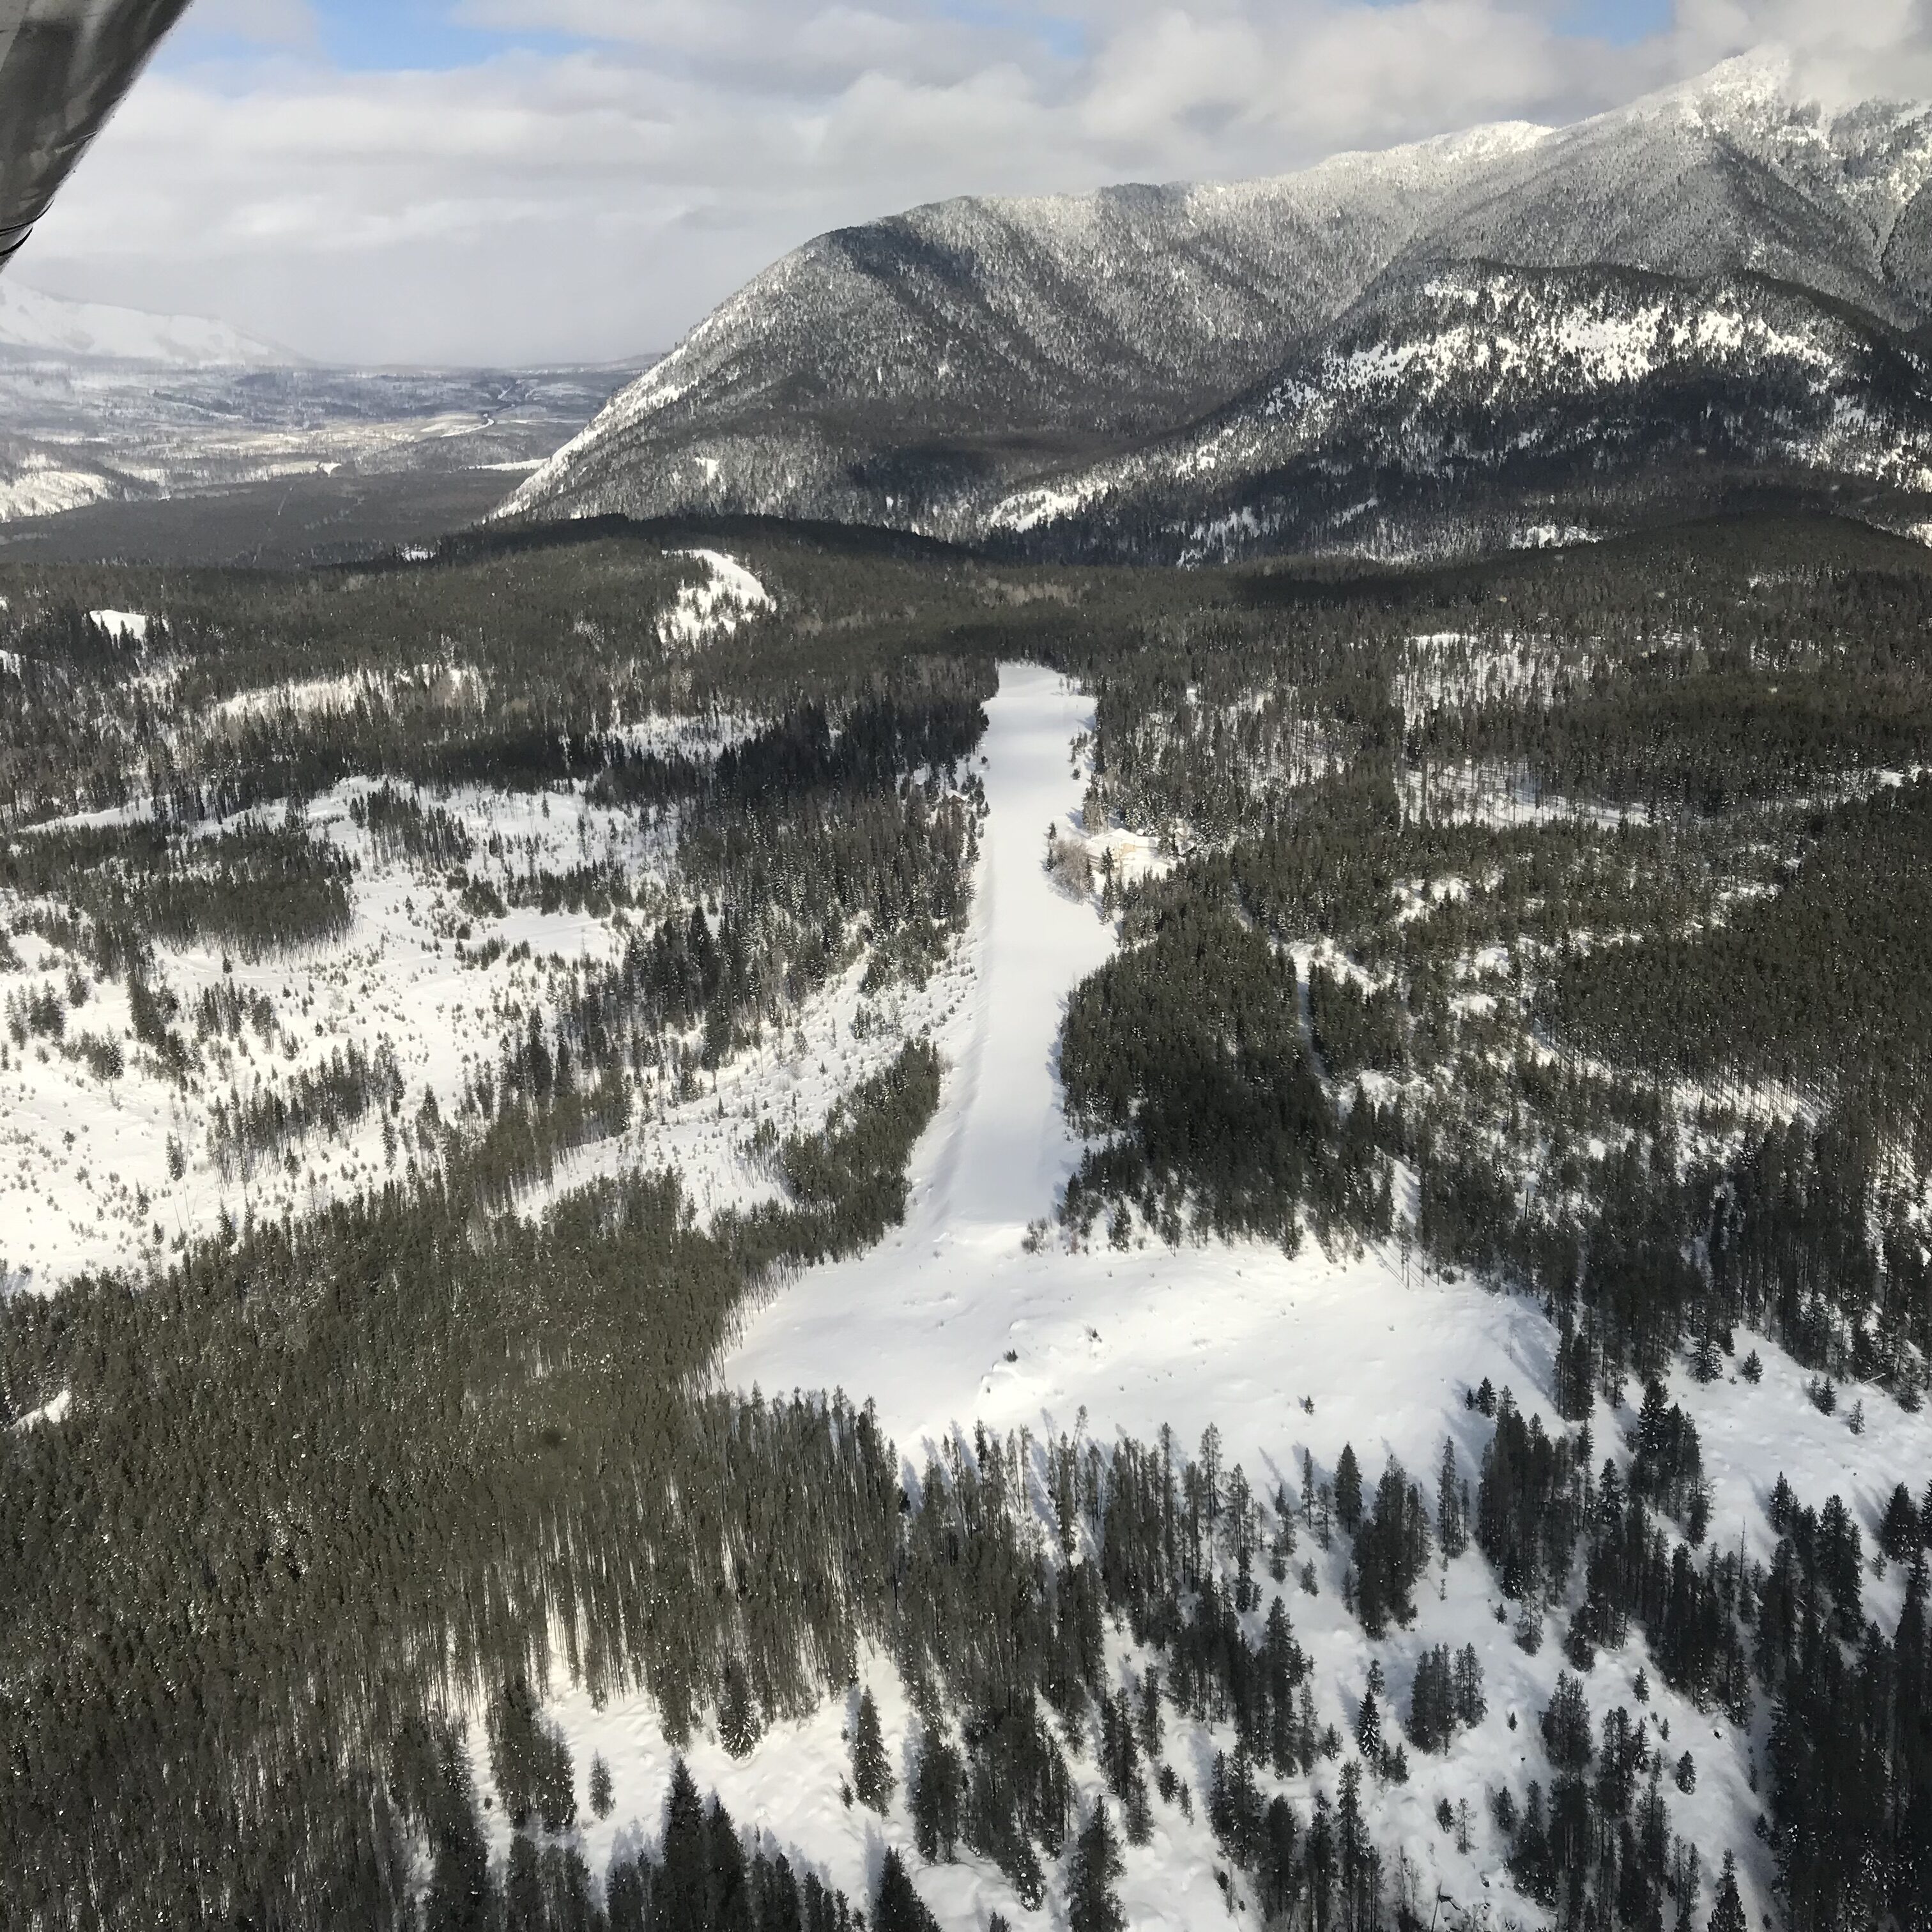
(1462, 375)
(921, 371)
(33, 324)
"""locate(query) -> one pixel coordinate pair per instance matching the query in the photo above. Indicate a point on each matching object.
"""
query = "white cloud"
(1844, 50)
(266, 22)
(596, 201)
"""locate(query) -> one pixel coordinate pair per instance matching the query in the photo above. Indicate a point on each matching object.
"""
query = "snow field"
(126, 626)
(716, 607)
(85, 1174)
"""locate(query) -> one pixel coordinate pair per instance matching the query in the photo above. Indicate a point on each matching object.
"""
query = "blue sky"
(390, 36)
(518, 181)
(373, 36)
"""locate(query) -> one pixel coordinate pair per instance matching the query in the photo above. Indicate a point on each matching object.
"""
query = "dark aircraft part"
(64, 66)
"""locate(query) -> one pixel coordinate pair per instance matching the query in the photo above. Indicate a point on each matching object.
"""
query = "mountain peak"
(1747, 87)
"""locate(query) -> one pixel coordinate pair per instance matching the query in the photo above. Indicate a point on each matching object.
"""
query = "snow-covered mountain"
(35, 326)
(1486, 407)
(1078, 373)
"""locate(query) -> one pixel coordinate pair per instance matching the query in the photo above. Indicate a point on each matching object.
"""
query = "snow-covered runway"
(951, 1321)
(939, 1295)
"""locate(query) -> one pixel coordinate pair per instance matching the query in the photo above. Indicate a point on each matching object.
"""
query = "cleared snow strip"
(926, 1303)
(129, 626)
(956, 1322)
(717, 607)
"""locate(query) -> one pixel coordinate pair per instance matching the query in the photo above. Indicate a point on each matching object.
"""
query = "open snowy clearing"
(100, 1172)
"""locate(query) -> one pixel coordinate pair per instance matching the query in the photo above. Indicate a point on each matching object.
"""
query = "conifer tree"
(1575, 1382)
(935, 1798)
(1348, 1491)
(1359, 1865)
(523, 1889)
(872, 1777)
(1566, 1727)
(1727, 1915)
(1093, 1905)
(1432, 1717)
(459, 1899)
(681, 1893)
(1368, 1729)
(1471, 1706)
(898, 1907)
(461, 1893)
(626, 1900)
(1149, 1724)
(1451, 1520)
(729, 1896)
(738, 1724)
(1279, 1878)
(1898, 1531)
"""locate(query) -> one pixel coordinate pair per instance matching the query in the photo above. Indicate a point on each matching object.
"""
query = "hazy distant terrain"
(306, 517)
(170, 438)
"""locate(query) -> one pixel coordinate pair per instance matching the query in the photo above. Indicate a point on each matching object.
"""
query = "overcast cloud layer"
(582, 179)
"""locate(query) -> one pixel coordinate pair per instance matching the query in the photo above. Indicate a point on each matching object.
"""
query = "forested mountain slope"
(1484, 408)
(963, 368)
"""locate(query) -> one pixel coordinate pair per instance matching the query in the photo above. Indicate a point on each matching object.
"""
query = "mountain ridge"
(35, 325)
(928, 370)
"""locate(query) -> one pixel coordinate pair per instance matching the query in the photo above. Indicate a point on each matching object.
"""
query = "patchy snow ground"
(86, 1178)
(129, 626)
(716, 607)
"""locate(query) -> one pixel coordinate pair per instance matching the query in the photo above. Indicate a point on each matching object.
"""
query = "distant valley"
(159, 428)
